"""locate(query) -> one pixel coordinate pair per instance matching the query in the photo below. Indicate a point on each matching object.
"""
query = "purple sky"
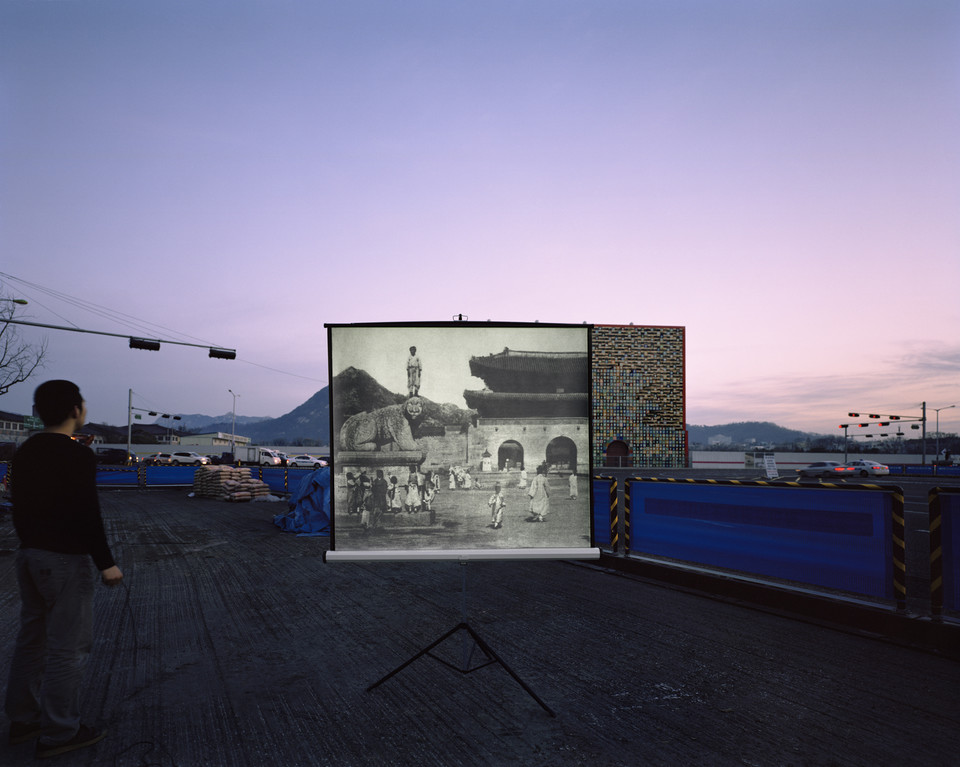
(782, 179)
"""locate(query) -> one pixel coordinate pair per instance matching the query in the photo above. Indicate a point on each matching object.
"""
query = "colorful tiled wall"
(638, 393)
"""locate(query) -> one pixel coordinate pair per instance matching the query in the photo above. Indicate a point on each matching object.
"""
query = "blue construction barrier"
(601, 512)
(949, 499)
(833, 538)
(120, 476)
(923, 470)
(168, 475)
(278, 479)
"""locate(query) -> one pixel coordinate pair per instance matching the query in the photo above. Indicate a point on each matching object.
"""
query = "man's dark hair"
(54, 401)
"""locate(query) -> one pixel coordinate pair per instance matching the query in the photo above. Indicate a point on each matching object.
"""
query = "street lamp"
(233, 427)
(937, 410)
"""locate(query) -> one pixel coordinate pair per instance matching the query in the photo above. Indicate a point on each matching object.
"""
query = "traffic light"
(873, 416)
(223, 354)
(884, 423)
(894, 418)
(843, 426)
(144, 343)
(861, 425)
(853, 415)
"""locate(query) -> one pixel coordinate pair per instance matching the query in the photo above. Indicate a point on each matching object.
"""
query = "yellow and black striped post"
(614, 516)
(936, 554)
(899, 552)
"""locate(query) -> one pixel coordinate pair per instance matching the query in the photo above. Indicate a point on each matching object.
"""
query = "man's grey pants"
(56, 633)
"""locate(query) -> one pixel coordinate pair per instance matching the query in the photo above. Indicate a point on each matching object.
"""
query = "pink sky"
(782, 179)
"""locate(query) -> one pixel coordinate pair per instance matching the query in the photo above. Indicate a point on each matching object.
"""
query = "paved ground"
(234, 644)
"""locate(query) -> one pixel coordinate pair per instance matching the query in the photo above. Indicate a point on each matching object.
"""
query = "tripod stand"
(467, 649)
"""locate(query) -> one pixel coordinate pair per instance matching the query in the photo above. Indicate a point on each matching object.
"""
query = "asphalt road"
(234, 644)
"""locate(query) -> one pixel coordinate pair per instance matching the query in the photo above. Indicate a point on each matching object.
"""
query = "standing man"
(56, 513)
(539, 493)
(414, 368)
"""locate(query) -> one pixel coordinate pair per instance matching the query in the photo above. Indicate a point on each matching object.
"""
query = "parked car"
(299, 461)
(158, 459)
(115, 456)
(869, 468)
(826, 469)
(188, 458)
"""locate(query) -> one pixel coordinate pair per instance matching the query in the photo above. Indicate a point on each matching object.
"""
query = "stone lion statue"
(393, 425)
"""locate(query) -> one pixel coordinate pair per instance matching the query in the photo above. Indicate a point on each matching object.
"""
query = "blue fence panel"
(118, 476)
(3, 470)
(917, 470)
(276, 478)
(169, 475)
(950, 543)
(601, 512)
(833, 538)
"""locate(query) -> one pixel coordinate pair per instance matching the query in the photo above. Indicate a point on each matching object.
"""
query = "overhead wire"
(142, 327)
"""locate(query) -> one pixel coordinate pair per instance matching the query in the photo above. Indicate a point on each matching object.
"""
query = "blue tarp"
(309, 506)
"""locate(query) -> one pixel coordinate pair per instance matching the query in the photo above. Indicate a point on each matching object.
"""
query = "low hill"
(745, 433)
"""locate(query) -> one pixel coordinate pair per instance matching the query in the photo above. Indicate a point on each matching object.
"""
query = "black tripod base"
(466, 668)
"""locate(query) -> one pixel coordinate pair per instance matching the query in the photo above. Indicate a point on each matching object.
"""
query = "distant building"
(216, 439)
(13, 428)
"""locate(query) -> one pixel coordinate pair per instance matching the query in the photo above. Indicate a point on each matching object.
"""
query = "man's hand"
(111, 576)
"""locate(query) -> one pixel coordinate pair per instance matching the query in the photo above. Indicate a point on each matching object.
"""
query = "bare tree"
(18, 359)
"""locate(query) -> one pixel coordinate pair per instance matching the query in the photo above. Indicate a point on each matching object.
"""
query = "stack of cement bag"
(229, 483)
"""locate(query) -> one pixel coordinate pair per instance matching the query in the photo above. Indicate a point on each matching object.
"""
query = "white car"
(869, 468)
(300, 461)
(187, 458)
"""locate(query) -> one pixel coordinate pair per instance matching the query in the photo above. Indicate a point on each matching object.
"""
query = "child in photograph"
(352, 500)
(496, 504)
(380, 489)
(395, 494)
(414, 498)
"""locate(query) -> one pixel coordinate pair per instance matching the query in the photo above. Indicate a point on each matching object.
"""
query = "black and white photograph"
(460, 436)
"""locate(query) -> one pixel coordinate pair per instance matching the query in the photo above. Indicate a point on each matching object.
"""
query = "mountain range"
(309, 424)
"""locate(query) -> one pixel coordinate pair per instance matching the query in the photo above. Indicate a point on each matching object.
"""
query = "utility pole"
(923, 422)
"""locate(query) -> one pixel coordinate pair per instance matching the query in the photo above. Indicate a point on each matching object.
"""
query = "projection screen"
(460, 441)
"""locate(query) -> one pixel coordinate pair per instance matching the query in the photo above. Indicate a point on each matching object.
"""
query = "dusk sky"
(781, 178)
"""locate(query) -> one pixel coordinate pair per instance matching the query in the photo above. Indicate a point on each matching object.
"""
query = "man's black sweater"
(53, 482)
